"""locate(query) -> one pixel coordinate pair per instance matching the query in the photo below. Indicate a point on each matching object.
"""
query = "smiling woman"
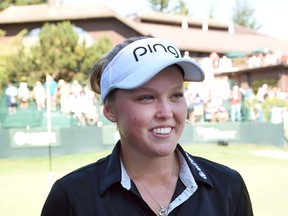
(148, 173)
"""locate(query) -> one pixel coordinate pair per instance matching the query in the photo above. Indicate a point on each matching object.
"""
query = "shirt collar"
(111, 171)
(198, 172)
(114, 171)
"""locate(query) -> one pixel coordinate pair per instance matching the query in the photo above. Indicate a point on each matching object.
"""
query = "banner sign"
(210, 132)
(23, 138)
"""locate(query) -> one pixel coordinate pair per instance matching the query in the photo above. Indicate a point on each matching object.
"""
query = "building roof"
(178, 19)
(213, 40)
(185, 31)
(218, 37)
(73, 11)
(45, 12)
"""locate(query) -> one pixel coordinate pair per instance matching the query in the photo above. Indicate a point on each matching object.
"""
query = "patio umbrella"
(235, 54)
(263, 50)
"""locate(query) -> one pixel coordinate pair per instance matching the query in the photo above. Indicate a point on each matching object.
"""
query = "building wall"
(111, 27)
(279, 74)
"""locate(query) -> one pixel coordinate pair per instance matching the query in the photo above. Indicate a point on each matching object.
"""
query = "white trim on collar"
(185, 175)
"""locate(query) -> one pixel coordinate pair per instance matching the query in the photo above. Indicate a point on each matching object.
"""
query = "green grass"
(25, 183)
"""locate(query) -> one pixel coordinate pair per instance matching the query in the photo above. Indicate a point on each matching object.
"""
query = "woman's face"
(151, 118)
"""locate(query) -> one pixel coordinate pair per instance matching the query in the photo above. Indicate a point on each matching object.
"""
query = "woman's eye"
(146, 97)
(178, 95)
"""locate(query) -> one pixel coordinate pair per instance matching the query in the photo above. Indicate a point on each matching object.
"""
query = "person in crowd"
(64, 96)
(23, 95)
(76, 88)
(236, 102)
(11, 93)
(148, 172)
(198, 105)
(189, 96)
(248, 98)
(210, 110)
(91, 111)
(214, 59)
(262, 93)
(78, 105)
(91, 114)
(259, 113)
(222, 114)
(52, 85)
(39, 95)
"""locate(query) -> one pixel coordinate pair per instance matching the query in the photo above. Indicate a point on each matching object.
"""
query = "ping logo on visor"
(157, 47)
(140, 61)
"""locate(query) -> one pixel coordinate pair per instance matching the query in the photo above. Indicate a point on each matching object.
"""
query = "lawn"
(25, 183)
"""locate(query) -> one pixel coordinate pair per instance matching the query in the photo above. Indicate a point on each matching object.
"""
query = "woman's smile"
(162, 130)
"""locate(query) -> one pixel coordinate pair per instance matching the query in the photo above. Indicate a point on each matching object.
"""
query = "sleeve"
(244, 204)
(58, 202)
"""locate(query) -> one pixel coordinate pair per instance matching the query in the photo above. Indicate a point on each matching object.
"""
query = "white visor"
(140, 61)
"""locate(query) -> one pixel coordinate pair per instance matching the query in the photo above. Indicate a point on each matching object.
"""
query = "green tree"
(2, 33)
(7, 50)
(211, 11)
(159, 5)
(58, 53)
(181, 8)
(163, 5)
(18, 65)
(6, 3)
(243, 15)
(3, 74)
(95, 52)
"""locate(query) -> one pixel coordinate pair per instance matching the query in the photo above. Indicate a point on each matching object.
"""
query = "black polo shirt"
(204, 188)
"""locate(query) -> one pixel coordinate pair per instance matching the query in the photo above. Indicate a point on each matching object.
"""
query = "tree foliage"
(181, 8)
(159, 5)
(6, 3)
(58, 53)
(163, 6)
(3, 75)
(243, 15)
(2, 33)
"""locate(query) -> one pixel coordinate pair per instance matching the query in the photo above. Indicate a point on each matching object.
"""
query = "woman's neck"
(152, 169)
(155, 179)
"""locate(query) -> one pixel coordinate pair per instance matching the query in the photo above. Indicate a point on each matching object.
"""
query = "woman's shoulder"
(84, 173)
(216, 170)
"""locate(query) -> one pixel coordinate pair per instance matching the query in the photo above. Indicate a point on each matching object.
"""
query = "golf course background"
(25, 183)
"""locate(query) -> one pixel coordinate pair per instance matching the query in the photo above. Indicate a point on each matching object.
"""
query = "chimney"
(184, 24)
(231, 29)
(205, 26)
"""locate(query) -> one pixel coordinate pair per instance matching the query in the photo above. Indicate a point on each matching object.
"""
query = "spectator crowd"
(238, 104)
(71, 99)
(79, 102)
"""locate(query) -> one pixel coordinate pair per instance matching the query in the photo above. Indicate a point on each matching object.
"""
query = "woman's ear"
(108, 113)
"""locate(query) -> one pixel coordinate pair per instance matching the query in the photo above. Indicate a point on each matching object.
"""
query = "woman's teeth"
(165, 130)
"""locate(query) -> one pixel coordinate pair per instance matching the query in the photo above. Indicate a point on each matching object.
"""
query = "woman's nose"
(164, 110)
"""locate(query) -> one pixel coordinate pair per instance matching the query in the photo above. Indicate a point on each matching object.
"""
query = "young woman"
(148, 172)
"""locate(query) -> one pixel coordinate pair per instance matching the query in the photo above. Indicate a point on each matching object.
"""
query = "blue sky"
(270, 14)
